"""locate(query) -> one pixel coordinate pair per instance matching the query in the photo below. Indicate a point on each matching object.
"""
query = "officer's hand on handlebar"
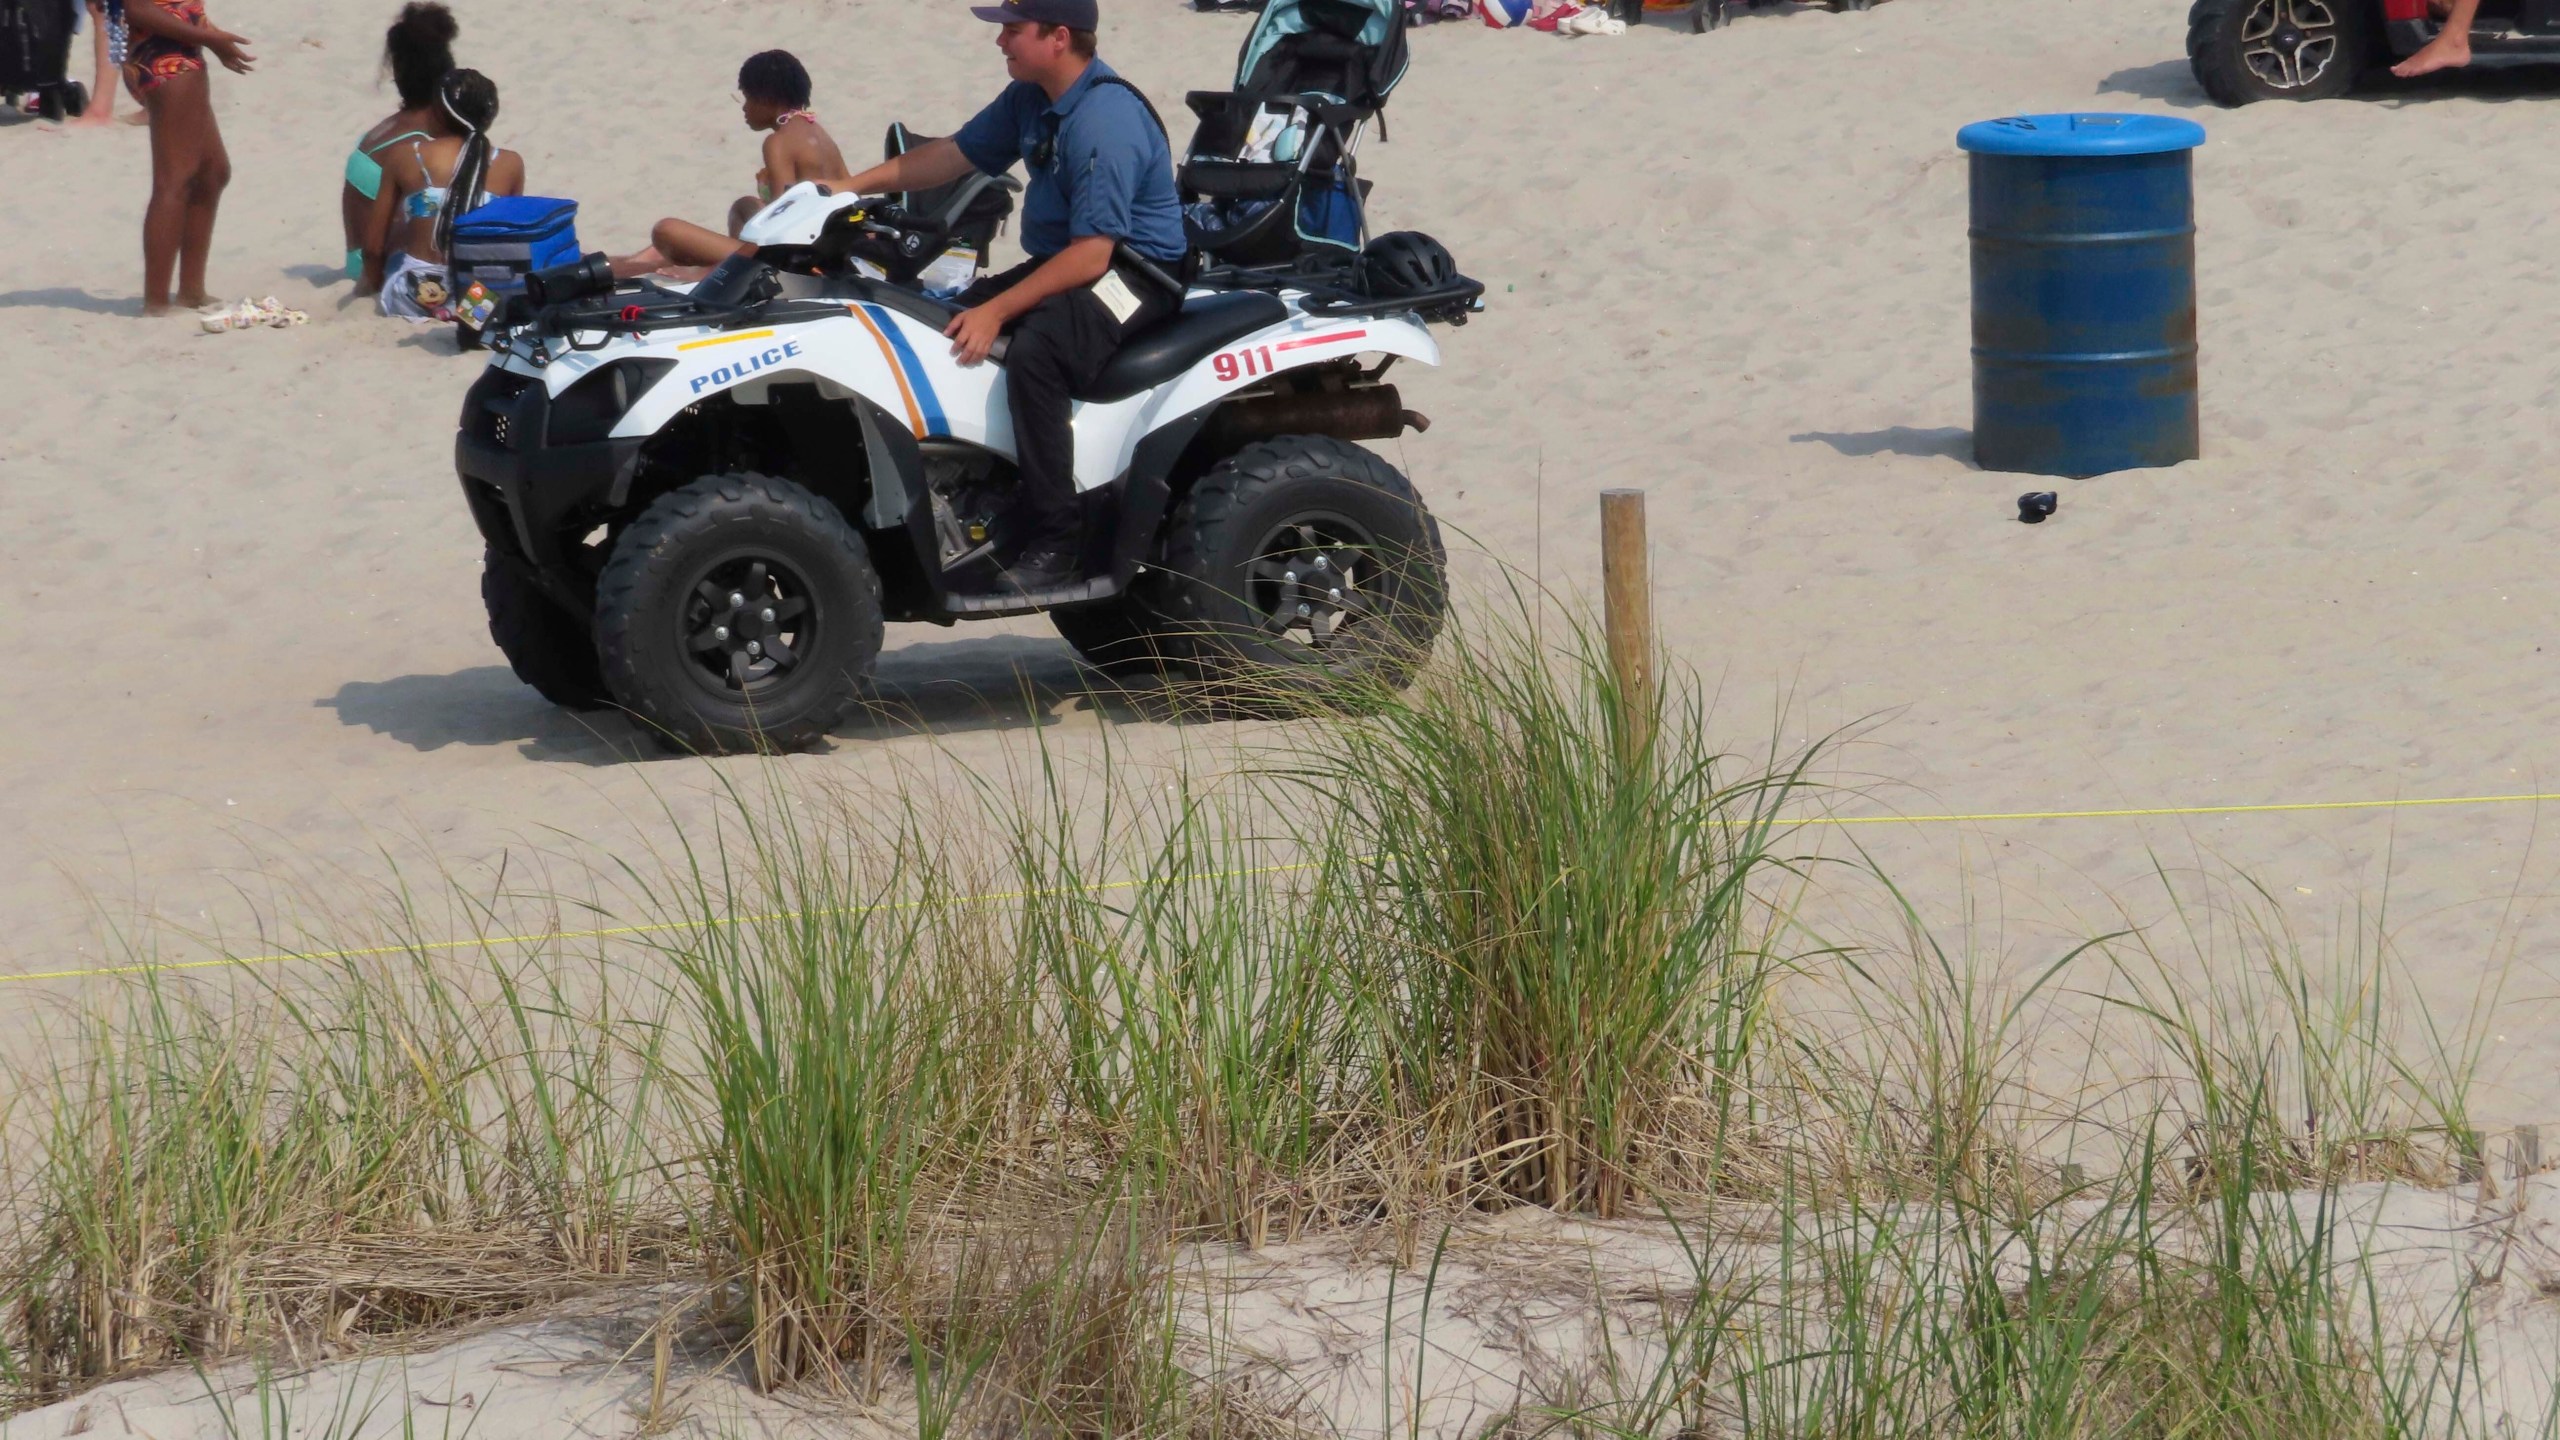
(973, 333)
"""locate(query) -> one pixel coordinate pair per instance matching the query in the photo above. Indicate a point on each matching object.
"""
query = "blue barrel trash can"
(2084, 292)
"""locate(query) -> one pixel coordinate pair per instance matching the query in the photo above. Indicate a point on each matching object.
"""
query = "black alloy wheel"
(1300, 569)
(2289, 43)
(1305, 584)
(739, 612)
(748, 624)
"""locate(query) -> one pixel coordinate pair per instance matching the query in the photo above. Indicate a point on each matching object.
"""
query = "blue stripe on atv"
(925, 401)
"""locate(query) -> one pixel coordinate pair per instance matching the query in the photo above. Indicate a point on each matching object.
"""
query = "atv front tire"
(2245, 50)
(1302, 568)
(738, 613)
(549, 649)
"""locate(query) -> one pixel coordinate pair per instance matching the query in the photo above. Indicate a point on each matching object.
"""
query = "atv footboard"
(526, 492)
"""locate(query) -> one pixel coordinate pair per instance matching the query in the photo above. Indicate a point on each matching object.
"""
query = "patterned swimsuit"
(157, 60)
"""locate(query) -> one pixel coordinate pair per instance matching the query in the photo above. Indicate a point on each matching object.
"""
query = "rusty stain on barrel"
(2084, 293)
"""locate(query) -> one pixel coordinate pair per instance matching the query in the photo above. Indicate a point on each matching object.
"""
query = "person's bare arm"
(973, 332)
(151, 19)
(936, 162)
(782, 168)
(377, 234)
(506, 174)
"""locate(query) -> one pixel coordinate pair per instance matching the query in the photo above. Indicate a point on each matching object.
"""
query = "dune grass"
(935, 1101)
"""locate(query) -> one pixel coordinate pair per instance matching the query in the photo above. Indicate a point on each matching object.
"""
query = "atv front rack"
(1333, 293)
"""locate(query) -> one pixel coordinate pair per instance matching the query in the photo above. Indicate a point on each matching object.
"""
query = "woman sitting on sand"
(427, 184)
(773, 93)
(418, 50)
(189, 166)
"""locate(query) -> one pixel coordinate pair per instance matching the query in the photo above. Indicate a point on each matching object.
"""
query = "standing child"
(106, 37)
(189, 167)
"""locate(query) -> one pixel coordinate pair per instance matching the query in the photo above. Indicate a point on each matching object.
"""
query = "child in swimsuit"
(418, 50)
(189, 166)
(773, 92)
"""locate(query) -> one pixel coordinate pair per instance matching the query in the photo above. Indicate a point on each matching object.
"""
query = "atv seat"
(1166, 349)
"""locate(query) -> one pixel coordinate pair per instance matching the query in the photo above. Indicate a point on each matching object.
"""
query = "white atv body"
(702, 504)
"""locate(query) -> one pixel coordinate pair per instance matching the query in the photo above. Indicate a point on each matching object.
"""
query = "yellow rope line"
(2172, 810)
(1099, 887)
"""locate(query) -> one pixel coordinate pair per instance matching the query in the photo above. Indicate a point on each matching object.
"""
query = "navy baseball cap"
(1074, 14)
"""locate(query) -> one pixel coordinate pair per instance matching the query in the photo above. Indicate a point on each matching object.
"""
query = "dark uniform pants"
(1053, 351)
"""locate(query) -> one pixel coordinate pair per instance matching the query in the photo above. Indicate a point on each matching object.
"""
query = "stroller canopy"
(1365, 38)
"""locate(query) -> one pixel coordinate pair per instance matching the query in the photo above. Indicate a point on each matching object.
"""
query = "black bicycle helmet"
(1406, 262)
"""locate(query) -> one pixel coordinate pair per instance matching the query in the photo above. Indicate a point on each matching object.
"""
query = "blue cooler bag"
(510, 237)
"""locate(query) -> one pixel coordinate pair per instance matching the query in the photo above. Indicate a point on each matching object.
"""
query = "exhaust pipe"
(1370, 412)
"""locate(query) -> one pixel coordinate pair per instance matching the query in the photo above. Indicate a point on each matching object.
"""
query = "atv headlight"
(588, 410)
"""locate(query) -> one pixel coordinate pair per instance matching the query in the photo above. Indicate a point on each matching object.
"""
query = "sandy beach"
(1728, 269)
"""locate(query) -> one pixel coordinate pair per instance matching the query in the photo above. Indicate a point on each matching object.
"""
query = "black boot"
(1043, 565)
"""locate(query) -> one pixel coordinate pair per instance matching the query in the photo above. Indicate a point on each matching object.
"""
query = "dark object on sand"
(2084, 292)
(35, 54)
(1708, 15)
(2037, 506)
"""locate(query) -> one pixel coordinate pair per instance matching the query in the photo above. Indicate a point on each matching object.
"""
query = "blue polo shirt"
(1109, 170)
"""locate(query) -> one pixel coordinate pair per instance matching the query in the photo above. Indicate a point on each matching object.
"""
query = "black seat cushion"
(1165, 350)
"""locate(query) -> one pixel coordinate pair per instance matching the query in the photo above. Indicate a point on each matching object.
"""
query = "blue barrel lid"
(2080, 134)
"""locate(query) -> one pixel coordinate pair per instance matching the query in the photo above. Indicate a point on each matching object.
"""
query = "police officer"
(1101, 173)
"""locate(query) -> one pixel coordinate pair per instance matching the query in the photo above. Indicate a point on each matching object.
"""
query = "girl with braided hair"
(427, 184)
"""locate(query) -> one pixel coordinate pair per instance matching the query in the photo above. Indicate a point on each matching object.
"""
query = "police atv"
(701, 505)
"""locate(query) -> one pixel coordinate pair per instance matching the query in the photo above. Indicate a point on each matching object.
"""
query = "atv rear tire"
(1123, 635)
(739, 612)
(1303, 568)
(2245, 50)
(549, 649)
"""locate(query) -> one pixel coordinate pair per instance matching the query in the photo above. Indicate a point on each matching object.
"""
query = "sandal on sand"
(249, 314)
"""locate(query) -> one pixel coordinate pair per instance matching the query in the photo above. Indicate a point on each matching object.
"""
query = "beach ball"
(1503, 14)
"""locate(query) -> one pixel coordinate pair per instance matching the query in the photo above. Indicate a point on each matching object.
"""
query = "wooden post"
(1627, 587)
(2527, 1156)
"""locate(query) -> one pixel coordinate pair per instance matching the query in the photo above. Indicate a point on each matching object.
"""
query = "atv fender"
(836, 353)
(1293, 344)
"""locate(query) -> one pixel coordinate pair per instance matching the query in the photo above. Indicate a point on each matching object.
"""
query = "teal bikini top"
(364, 172)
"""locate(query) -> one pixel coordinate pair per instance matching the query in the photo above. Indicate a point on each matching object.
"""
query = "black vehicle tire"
(549, 649)
(2245, 50)
(687, 608)
(1124, 635)
(1241, 579)
(51, 104)
(75, 99)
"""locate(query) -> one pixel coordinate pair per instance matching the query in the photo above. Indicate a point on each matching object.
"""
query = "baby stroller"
(35, 51)
(1271, 178)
